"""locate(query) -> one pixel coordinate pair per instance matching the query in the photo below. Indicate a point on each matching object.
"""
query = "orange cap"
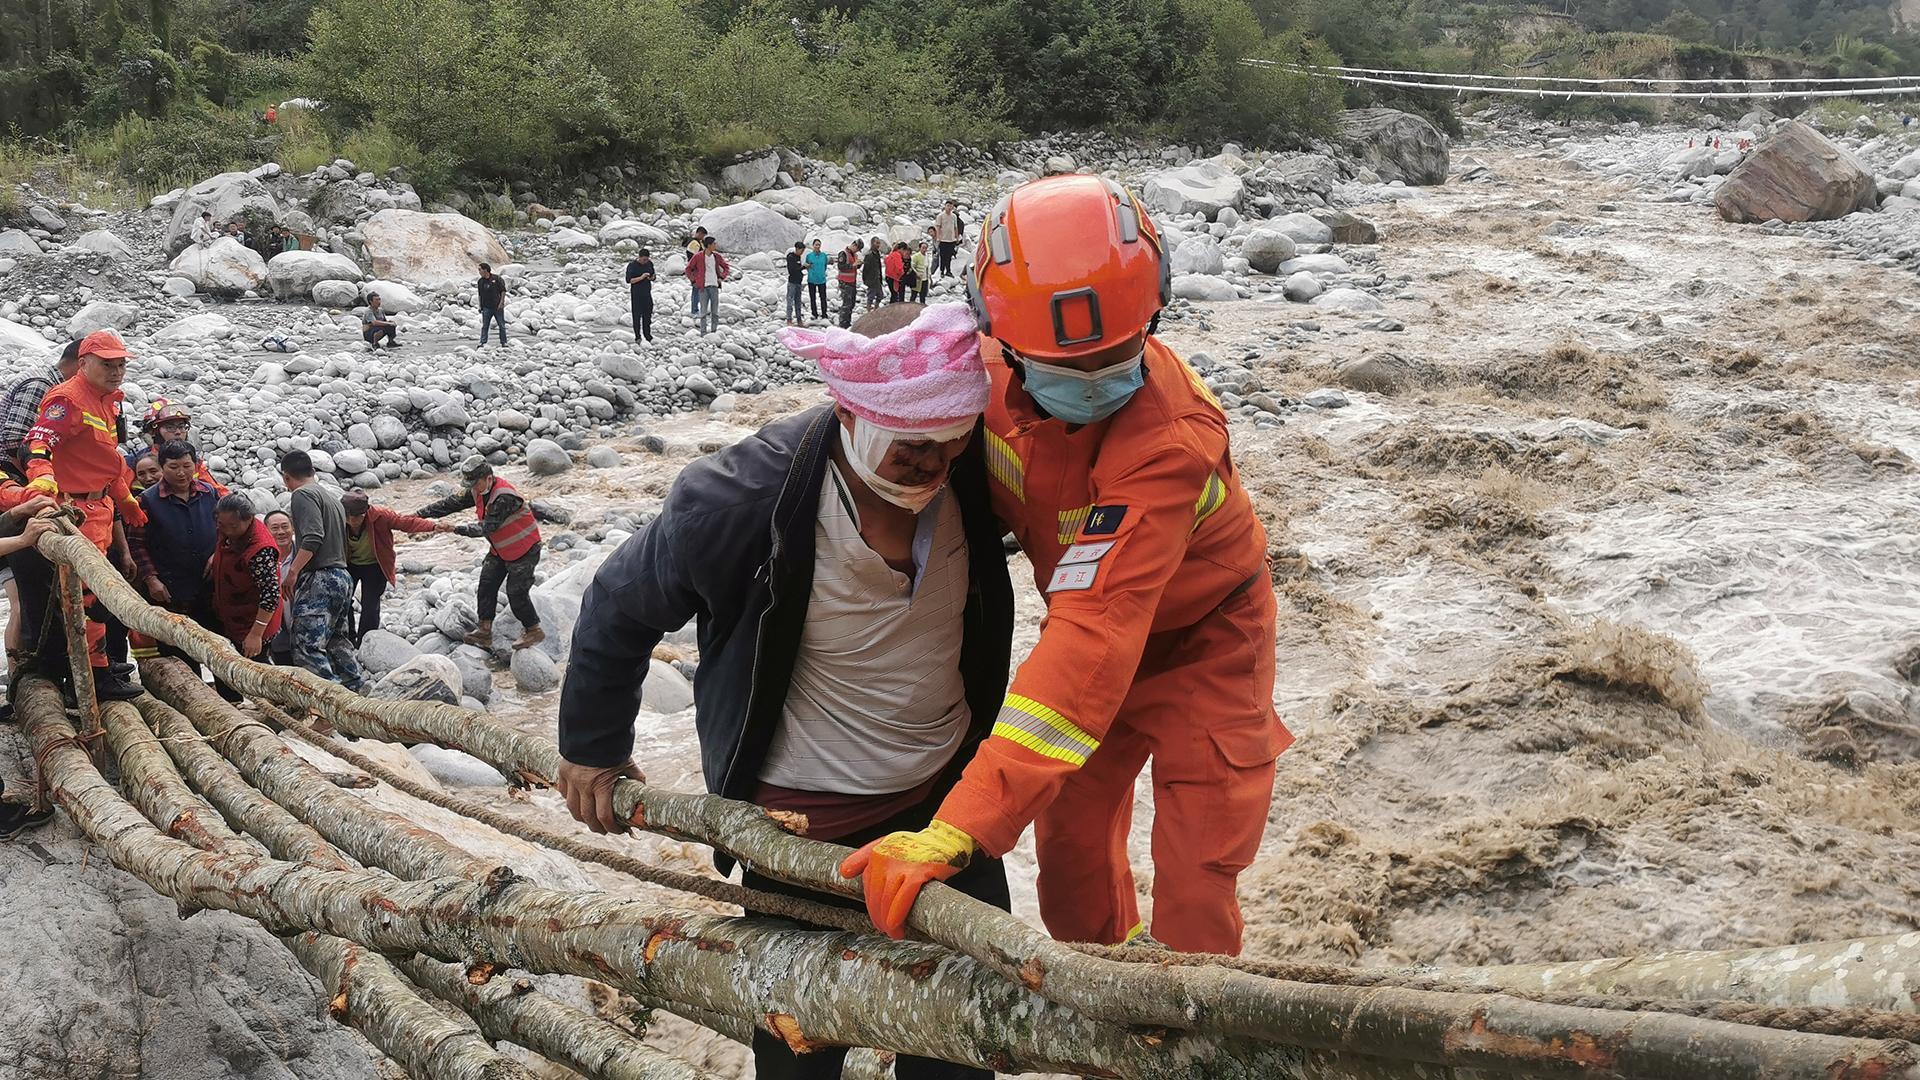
(105, 344)
(1066, 266)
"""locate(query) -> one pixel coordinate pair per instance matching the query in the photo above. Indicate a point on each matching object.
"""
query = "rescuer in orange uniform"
(73, 452)
(1111, 467)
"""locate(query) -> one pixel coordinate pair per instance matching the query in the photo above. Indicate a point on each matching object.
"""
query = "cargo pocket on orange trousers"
(1247, 730)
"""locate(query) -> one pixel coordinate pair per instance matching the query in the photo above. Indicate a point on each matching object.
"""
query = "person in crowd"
(948, 228)
(513, 537)
(22, 405)
(375, 325)
(280, 525)
(166, 422)
(706, 272)
(639, 275)
(172, 548)
(852, 682)
(1159, 636)
(695, 245)
(204, 231)
(73, 454)
(817, 263)
(492, 291)
(370, 558)
(318, 583)
(922, 272)
(146, 473)
(849, 278)
(17, 817)
(243, 578)
(894, 266)
(796, 280)
(872, 271)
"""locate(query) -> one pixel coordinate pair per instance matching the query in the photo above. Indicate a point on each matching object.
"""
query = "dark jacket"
(492, 291)
(177, 540)
(733, 546)
(870, 266)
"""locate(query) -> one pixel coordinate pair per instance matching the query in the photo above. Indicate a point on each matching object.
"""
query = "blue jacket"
(733, 548)
(178, 539)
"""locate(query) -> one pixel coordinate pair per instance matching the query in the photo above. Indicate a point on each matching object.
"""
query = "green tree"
(1685, 26)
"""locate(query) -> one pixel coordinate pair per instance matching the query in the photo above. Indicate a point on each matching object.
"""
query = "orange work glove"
(897, 866)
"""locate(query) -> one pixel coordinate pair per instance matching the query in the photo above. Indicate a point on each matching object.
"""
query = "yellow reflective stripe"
(1004, 465)
(1212, 497)
(93, 421)
(1071, 520)
(1043, 730)
(1139, 928)
(1199, 385)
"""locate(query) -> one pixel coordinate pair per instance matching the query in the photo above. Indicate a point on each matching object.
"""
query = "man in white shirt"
(855, 614)
(203, 231)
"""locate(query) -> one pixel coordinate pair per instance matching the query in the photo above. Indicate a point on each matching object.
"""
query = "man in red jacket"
(706, 270)
(370, 558)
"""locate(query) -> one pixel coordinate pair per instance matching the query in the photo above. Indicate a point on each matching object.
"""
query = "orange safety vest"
(87, 457)
(521, 532)
(1136, 525)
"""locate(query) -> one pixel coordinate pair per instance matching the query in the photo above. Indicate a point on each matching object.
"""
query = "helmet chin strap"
(1153, 324)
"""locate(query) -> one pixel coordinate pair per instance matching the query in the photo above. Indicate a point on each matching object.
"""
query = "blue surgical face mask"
(1084, 397)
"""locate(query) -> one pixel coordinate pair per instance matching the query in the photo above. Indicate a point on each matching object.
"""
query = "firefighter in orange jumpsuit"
(73, 453)
(1111, 467)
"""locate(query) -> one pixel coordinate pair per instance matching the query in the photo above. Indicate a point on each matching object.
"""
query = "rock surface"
(1398, 145)
(744, 228)
(295, 273)
(225, 267)
(1797, 175)
(429, 249)
(1204, 188)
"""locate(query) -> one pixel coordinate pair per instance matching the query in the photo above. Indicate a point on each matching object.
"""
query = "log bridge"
(425, 948)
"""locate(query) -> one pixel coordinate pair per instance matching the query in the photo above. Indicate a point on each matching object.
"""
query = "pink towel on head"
(920, 378)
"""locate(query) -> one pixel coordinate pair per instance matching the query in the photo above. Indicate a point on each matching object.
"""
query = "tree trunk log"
(509, 1010)
(1874, 973)
(1488, 1031)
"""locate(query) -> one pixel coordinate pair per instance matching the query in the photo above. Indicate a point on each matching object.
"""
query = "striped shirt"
(21, 409)
(876, 704)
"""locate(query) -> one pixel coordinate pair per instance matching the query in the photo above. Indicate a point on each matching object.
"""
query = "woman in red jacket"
(896, 268)
(370, 558)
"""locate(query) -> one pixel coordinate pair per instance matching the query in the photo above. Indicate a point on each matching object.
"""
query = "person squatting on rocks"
(706, 271)
(317, 582)
(848, 275)
(1111, 467)
(375, 325)
(492, 292)
(73, 454)
(370, 557)
(639, 275)
(513, 534)
(796, 281)
(817, 263)
(854, 613)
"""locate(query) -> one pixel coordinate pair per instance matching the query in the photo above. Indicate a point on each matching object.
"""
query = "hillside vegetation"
(161, 91)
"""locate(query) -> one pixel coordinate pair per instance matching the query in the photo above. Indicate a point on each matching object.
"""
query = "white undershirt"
(876, 704)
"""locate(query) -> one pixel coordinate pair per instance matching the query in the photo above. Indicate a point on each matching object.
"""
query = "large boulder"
(226, 196)
(638, 231)
(1266, 248)
(1348, 229)
(1302, 229)
(16, 242)
(206, 326)
(1797, 175)
(428, 249)
(1906, 168)
(747, 227)
(225, 267)
(295, 273)
(1199, 255)
(336, 294)
(1204, 287)
(1692, 163)
(1204, 188)
(101, 315)
(394, 296)
(751, 175)
(802, 202)
(101, 242)
(382, 651)
(15, 338)
(1398, 146)
(423, 678)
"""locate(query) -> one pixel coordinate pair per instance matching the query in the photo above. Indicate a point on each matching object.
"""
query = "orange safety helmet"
(163, 411)
(1066, 266)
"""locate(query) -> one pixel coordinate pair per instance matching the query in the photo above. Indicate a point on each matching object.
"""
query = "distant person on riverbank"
(872, 272)
(203, 232)
(694, 247)
(919, 269)
(849, 278)
(706, 272)
(639, 277)
(896, 271)
(817, 263)
(375, 325)
(493, 303)
(796, 280)
(947, 231)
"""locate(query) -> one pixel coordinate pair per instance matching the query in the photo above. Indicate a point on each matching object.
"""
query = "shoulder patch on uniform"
(57, 410)
(1104, 520)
